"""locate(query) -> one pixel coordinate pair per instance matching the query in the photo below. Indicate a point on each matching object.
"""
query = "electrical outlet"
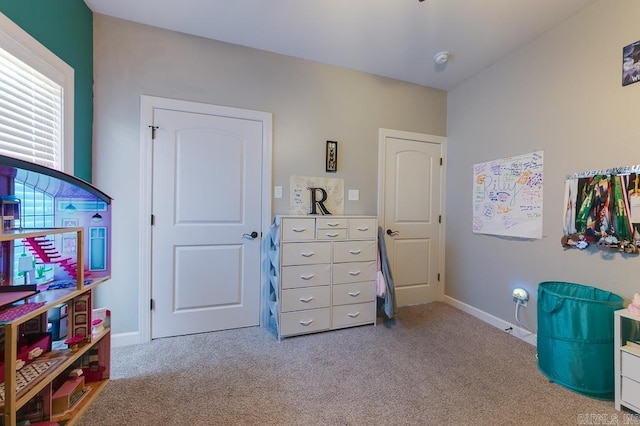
(521, 296)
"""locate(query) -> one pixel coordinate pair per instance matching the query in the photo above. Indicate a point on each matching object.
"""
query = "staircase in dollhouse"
(43, 249)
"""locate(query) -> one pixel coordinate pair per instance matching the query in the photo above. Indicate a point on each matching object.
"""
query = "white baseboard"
(516, 331)
(125, 339)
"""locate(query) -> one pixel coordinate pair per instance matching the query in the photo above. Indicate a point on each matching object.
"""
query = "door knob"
(252, 235)
(392, 233)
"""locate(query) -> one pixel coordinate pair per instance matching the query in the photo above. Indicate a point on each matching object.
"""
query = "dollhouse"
(54, 251)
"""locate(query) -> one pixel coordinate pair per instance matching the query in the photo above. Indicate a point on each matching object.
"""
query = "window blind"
(30, 113)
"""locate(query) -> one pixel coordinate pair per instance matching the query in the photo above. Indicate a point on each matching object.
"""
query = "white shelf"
(627, 379)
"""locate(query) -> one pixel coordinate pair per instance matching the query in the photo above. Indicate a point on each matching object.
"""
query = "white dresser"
(627, 360)
(322, 272)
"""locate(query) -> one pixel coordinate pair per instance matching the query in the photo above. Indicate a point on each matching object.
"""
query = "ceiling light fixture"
(441, 57)
(96, 217)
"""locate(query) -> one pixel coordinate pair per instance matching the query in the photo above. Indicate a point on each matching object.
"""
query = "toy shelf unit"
(54, 252)
(321, 273)
(627, 360)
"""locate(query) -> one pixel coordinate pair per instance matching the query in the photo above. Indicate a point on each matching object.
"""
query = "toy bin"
(575, 337)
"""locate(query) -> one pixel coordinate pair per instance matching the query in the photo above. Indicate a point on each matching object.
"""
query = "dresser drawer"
(331, 223)
(630, 391)
(306, 253)
(298, 299)
(332, 234)
(305, 275)
(362, 228)
(344, 294)
(630, 366)
(348, 315)
(294, 229)
(302, 322)
(354, 272)
(350, 251)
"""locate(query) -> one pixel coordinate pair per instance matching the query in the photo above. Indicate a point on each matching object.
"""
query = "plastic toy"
(634, 306)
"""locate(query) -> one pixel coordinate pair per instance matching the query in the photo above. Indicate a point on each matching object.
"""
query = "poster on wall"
(631, 63)
(316, 195)
(507, 196)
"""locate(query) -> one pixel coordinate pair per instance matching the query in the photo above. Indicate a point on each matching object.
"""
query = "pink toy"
(634, 306)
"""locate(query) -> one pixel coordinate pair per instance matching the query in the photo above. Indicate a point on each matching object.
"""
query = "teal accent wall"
(65, 27)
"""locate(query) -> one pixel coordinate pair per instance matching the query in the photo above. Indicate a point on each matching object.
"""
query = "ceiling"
(391, 38)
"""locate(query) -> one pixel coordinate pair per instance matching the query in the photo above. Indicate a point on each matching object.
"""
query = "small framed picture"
(69, 244)
(332, 156)
(69, 223)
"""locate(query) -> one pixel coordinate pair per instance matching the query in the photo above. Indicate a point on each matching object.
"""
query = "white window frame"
(23, 46)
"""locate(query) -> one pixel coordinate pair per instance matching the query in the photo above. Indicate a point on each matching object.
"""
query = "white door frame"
(383, 134)
(147, 104)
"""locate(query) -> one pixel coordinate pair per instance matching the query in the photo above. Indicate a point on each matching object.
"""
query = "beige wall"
(561, 94)
(310, 102)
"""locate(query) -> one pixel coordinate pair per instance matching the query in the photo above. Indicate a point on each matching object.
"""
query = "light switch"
(277, 192)
(354, 195)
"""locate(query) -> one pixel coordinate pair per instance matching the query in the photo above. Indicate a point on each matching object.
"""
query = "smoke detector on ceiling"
(441, 57)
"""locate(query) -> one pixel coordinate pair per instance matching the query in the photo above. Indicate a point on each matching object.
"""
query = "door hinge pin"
(151, 304)
(440, 219)
(153, 220)
(153, 131)
(441, 160)
(438, 276)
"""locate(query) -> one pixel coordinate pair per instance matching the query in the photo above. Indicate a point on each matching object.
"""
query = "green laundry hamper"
(575, 337)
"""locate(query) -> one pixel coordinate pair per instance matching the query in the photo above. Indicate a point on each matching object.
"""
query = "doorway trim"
(383, 134)
(147, 105)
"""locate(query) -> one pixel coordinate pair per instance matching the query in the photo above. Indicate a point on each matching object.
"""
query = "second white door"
(411, 211)
(206, 205)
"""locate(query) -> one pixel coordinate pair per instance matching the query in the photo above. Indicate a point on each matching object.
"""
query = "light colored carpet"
(435, 365)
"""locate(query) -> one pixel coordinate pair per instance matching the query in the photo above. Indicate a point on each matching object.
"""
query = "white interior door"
(411, 183)
(206, 202)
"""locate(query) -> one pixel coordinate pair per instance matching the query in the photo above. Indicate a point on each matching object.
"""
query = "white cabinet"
(322, 273)
(627, 360)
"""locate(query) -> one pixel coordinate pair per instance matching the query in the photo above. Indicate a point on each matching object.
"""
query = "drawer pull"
(298, 229)
(354, 314)
(307, 277)
(355, 251)
(354, 273)
(333, 224)
(354, 293)
(306, 323)
(363, 228)
(307, 254)
(332, 235)
(306, 299)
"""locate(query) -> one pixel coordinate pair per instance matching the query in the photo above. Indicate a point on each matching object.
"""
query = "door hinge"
(440, 219)
(438, 276)
(153, 220)
(441, 161)
(152, 305)
(153, 131)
